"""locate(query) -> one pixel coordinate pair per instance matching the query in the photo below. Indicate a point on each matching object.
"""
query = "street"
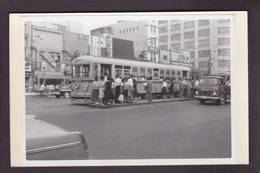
(184, 129)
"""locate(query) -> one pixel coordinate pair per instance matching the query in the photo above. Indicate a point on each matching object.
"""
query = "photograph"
(129, 89)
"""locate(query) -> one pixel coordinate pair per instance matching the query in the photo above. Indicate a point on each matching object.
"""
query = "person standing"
(42, 89)
(118, 82)
(101, 87)
(130, 83)
(95, 89)
(164, 89)
(149, 90)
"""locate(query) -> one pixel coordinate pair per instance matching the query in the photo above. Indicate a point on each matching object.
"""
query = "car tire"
(202, 101)
(67, 95)
(222, 100)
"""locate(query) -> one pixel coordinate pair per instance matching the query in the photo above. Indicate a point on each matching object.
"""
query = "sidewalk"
(140, 102)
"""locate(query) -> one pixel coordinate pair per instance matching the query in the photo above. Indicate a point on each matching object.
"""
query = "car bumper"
(208, 97)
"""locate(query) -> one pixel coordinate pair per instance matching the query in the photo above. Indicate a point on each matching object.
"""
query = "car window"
(208, 81)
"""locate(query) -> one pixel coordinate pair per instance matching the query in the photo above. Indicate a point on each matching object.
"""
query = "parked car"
(45, 141)
(213, 88)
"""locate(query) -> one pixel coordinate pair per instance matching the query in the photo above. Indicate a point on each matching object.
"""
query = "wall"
(123, 49)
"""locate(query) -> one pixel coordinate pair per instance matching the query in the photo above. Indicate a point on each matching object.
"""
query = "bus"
(86, 68)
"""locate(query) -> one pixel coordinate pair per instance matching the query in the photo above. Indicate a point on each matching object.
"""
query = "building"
(208, 42)
(144, 35)
(49, 52)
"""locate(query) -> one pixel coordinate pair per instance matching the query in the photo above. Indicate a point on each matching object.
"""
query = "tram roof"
(118, 61)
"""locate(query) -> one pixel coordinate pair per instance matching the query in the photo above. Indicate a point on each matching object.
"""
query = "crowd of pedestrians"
(110, 91)
(107, 90)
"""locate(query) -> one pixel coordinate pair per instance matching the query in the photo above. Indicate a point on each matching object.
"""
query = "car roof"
(37, 129)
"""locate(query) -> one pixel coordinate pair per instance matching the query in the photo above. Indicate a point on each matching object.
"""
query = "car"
(45, 141)
(63, 91)
(213, 88)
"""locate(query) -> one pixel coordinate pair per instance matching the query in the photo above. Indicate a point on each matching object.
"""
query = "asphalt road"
(184, 129)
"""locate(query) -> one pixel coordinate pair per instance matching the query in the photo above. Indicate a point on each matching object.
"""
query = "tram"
(86, 68)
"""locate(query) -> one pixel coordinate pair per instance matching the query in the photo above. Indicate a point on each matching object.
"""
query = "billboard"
(180, 56)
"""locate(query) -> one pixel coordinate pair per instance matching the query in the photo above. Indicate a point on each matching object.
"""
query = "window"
(168, 72)
(223, 41)
(163, 21)
(223, 30)
(204, 43)
(137, 27)
(204, 53)
(175, 37)
(203, 64)
(189, 45)
(77, 71)
(164, 47)
(189, 25)
(192, 55)
(189, 35)
(163, 38)
(149, 72)
(224, 21)
(204, 33)
(203, 22)
(85, 70)
(223, 52)
(142, 71)
(223, 63)
(165, 57)
(173, 72)
(161, 72)
(120, 31)
(173, 21)
(176, 46)
(163, 29)
(133, 29)
(176, 27)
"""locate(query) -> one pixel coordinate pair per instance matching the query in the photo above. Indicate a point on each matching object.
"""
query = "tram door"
(106, 69)
(184, 74)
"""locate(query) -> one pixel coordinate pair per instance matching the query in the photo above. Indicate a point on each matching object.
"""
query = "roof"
(213, 76)
(119, 61)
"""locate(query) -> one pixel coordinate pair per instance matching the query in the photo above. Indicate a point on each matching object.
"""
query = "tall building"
(208, 42)
(144, 35)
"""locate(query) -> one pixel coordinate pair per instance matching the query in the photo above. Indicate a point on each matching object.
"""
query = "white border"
(239, 88)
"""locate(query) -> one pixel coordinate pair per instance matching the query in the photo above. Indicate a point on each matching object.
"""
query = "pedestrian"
(108, 91)
(118, 82)
(42, 89)
(95, 90)
(189, 88)
(164, 89)
(125, 90)
(171, 91)
(148, 88)
(177, 88)
(135, 94)
(130, 83)
(113, 88)
(101, 88)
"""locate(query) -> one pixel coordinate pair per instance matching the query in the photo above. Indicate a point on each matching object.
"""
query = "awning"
(50, 75)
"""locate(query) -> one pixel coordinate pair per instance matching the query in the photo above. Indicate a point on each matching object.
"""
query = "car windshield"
(208, 81)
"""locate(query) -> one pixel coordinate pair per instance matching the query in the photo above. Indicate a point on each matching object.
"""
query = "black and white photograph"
(130, 89)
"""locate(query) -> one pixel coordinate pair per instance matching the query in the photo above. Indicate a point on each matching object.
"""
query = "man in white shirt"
(130, 83)
(118, 82)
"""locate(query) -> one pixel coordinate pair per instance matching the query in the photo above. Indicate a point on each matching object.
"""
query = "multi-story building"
(144, 35)
(208, 42)
(48, 53)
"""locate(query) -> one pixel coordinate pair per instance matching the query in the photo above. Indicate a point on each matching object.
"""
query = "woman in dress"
(101, 87)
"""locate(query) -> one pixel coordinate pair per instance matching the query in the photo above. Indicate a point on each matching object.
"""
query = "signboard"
(180, 56)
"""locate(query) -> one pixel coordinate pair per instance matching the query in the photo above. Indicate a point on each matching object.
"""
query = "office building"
(208, 42)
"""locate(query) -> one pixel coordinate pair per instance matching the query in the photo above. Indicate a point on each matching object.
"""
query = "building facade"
(49, 52)
(143, 34)
(208, 42)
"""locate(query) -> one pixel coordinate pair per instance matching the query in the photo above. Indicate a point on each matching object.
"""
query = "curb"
(133, 104)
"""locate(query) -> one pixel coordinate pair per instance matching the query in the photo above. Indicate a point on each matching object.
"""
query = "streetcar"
(86, 68)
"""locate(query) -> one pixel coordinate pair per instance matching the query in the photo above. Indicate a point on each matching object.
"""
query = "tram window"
(149, 72)
(178, 73)
(168, 72)
(156, 75)
(161, 72)
(85, 70)
(118, 72)
(142, 71)
(127, 67)
(118, 66)
(126, 73)
(173, 72)
(134, 69)
(155, 69)
(77, 71)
